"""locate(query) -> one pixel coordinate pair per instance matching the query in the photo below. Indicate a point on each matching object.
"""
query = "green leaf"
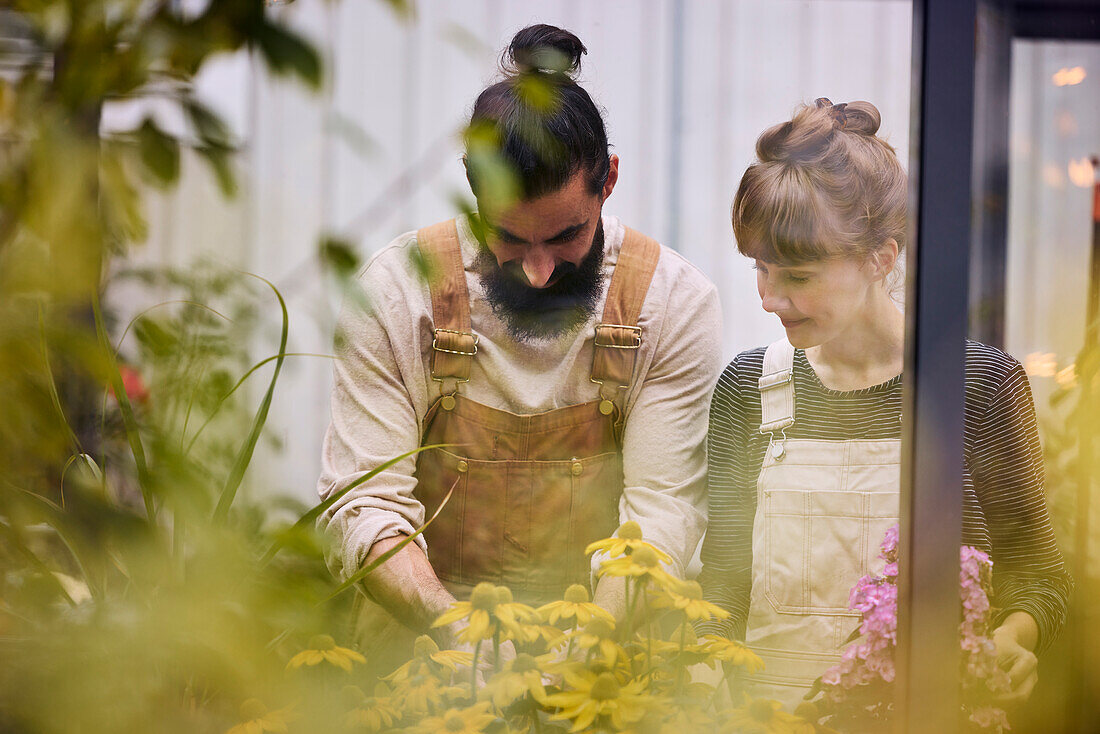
(221, 165)
(160, 152)
(339, 255)
(288, 53)
(208, 125)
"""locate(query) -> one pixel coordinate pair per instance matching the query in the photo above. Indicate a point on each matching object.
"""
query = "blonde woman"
(804, 434)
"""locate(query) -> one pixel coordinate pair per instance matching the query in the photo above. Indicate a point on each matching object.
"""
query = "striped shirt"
(1004, 507)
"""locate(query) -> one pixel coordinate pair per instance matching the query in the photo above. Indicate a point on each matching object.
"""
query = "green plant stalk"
(628, 622)
(240, 382)
(55, 398)
(35, 561)
(473, 671)
(648, 627)
(133, 437)
(311, 516)
(680, 669)
(244, 456)
(496, 650)
(55, 519)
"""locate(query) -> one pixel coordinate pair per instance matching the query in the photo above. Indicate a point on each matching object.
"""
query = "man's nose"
(538, 266)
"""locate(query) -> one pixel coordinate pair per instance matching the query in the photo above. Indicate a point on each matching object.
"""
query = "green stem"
(648, 626)
(680, 668)
(473, 671)
(132, 435)
(496, 650)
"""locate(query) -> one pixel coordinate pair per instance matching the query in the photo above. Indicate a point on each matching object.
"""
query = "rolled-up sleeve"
(373, 421)
(664, 438)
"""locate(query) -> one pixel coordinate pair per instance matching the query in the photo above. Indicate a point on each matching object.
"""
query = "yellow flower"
(687, 597)
(520, 677)
(322, 648)
(628, 540)
(644, 563)
(419, 692)
(476, 612)
(515, 618)
(599, 695)
(763, 716)
(728, 651)
(256, 719)
(597, 636)
(428, 659)
(575, 606)
(490, 611)
(372, 713)
(454, 721)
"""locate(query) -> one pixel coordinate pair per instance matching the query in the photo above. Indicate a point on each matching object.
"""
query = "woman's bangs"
(785, 228)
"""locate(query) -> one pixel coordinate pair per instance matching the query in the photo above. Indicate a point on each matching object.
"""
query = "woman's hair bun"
(546, 49)
(806, 137)
(859, 117)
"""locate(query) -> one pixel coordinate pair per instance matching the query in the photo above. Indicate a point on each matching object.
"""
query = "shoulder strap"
(618, 336)
(454, 344)
(777, 387)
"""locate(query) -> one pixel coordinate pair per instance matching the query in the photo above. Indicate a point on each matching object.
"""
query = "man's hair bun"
(544, 49)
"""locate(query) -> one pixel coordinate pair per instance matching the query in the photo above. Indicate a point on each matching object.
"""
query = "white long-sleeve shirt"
(383, 389)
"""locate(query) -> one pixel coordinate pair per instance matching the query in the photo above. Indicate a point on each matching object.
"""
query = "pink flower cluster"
(979, 651)
(866, 668)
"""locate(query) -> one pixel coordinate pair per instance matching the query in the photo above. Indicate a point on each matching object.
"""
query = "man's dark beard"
(544, 313)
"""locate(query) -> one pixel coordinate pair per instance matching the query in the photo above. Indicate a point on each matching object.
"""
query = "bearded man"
(565, 360)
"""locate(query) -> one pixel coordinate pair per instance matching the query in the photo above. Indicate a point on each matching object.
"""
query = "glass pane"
(1052, 253)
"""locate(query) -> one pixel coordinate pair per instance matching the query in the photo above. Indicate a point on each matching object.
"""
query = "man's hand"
(1015, 639)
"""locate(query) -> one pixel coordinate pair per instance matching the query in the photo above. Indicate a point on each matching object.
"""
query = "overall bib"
(822, 508)
(530, 492)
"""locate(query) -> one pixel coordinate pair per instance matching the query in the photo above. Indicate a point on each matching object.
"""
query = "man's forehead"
(548, 215)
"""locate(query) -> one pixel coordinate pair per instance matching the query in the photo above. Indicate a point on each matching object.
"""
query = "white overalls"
(822, 508)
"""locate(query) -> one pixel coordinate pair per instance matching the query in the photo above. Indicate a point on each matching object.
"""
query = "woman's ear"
(885, 258)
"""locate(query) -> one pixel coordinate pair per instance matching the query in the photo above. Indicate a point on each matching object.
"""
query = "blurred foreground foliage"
(134, 594)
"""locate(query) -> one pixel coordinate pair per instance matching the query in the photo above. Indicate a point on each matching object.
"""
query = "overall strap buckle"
(618, 337)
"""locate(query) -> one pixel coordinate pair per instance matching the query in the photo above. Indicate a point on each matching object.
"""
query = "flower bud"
(629, 530)
(576, 594)
(484, 597)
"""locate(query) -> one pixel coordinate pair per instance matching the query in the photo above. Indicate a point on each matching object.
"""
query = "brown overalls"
(530, 491)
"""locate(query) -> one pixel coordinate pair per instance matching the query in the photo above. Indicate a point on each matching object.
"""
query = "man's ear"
(469, 180)
(612, 178)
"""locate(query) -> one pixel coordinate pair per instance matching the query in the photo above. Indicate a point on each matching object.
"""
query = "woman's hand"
(1015, 639)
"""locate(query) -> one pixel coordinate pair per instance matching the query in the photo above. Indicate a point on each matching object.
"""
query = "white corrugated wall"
(687, 86)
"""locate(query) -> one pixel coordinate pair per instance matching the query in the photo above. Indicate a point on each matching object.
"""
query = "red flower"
(133, 384)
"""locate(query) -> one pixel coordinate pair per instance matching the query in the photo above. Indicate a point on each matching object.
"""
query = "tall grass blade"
(244, 457)
(311, 517)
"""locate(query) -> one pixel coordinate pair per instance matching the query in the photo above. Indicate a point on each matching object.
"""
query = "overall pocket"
(819, 544)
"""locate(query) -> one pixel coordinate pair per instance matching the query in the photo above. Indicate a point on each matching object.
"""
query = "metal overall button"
(462, 467)
(576, 468)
